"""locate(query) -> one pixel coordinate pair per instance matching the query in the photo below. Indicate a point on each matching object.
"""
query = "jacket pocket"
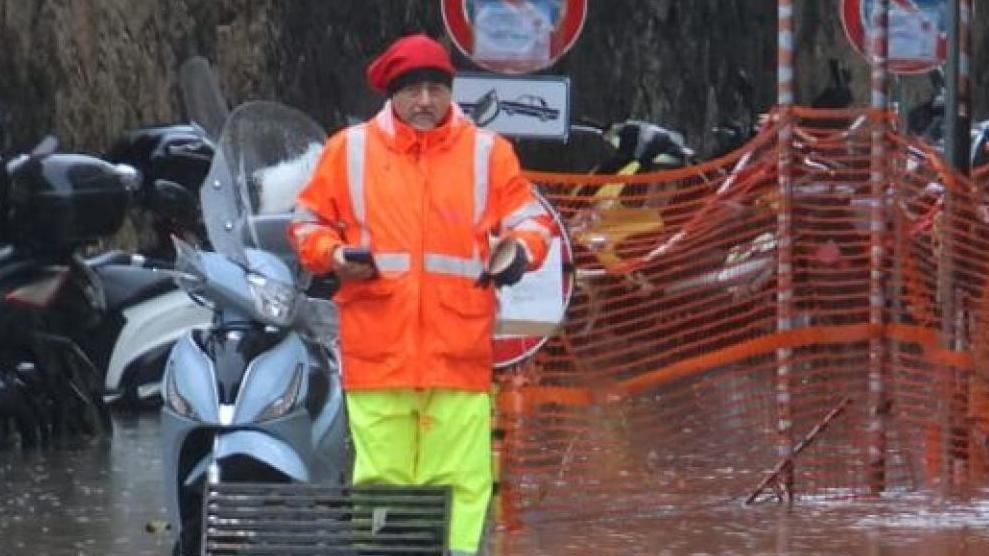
(365, 289)
(463, 323)
(373, 318)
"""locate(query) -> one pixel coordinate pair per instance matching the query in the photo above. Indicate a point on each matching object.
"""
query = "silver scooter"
(256, 396)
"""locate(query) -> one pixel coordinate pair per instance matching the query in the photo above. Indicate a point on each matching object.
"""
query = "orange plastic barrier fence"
(720, 331)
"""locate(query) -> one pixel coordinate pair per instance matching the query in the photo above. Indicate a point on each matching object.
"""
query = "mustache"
(425, 113)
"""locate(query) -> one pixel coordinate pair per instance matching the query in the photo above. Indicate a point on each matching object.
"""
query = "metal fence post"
(784, 237)
(877, 229)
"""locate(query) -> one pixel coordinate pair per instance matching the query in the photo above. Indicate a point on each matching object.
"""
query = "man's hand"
(348, 271)
(506, 266)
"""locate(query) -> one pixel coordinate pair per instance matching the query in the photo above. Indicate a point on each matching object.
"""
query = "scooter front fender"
(257, 445)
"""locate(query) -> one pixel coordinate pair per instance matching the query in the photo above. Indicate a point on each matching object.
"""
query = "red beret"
(406, 54)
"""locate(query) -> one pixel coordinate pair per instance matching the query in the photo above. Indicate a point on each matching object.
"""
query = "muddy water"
(97, 498)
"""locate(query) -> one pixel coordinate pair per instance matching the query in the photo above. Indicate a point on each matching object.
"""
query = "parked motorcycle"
(140, 311)
(927, 121)
(173, 160)
(54, 205)
(256, 396)
(614, 227)
(147, 312)
(144, 313)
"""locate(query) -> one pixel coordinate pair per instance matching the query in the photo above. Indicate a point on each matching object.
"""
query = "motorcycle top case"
(175, 152)
(65, 200)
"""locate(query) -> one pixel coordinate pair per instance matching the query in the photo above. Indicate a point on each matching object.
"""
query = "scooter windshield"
(266, 153)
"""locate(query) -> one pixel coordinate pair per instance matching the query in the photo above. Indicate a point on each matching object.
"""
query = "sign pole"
(784, 240)
(958, 85)
(956, 151)
(878, 59)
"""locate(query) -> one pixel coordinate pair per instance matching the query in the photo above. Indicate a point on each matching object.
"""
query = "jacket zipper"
(420, 279)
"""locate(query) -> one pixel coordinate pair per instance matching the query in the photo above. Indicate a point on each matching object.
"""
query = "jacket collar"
(402, 137)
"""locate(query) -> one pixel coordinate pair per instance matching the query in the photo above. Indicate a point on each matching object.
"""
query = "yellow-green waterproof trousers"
(428, 437)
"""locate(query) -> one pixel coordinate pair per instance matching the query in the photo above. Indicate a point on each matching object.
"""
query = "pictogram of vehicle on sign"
(487, 108)
(530, 105)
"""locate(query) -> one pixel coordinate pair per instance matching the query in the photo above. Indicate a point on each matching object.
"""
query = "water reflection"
(89, 498)
(85, 496)
(844, 529)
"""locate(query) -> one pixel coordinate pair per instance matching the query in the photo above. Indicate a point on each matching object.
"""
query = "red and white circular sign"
(510, 350)
(514, 36)
(917, 34)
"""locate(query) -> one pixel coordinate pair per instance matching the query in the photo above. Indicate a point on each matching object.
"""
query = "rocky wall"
(86, 70)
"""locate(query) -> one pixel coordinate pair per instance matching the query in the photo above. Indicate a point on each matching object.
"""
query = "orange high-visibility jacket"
(426, 204)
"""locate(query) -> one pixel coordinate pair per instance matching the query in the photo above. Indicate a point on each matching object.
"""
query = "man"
(402, 209)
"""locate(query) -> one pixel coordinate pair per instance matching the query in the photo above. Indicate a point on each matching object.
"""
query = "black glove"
(506, 266)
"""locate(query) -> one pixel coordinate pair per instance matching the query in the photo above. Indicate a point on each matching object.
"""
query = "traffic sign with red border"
(565, 20)
(511, 350)
(856, 16)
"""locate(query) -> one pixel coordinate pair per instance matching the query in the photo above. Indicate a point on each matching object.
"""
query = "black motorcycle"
(54, 205)
(173, 160)
(927, 121)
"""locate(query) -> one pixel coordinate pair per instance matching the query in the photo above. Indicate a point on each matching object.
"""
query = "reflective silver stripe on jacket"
(392, 262)
(529, 210)
(302, 214)
(453, 266)
(356, 139)
(483, 143)
(306, 222)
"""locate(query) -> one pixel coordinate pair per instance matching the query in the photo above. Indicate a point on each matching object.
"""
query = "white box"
(534, 306)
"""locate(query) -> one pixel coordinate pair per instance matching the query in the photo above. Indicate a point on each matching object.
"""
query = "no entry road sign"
(514, 36)
(917, 32)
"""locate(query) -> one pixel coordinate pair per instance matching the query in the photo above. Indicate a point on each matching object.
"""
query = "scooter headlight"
(175, 401)
(273, 300)
(286, 401)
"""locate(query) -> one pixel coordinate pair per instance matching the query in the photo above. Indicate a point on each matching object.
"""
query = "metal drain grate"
(288, 519)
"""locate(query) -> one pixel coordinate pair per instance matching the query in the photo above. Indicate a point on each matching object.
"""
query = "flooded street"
(85, 497)
(98, 498)
(887, 529)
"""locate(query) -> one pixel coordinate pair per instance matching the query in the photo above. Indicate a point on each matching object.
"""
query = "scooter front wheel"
(190, 538)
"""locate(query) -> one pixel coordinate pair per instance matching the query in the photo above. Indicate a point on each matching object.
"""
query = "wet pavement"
(98, 498)
(85, 497)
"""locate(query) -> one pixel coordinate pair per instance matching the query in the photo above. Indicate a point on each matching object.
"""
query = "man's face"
(422, 105)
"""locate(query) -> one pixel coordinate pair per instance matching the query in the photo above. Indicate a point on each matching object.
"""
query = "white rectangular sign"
(534, 306)
(516, 106)
(913, 35)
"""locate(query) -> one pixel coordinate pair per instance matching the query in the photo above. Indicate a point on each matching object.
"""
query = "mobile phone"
(361, 255)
